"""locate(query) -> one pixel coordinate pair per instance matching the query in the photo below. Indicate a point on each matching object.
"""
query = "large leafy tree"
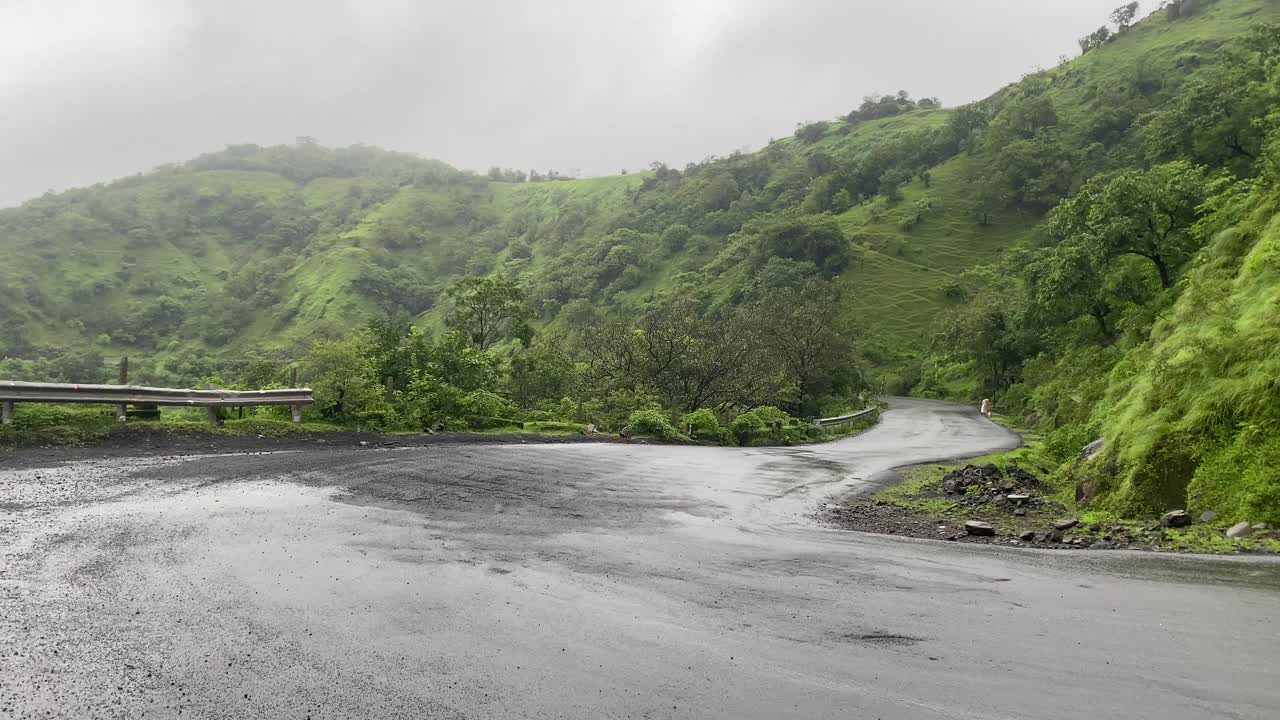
(487, 309)
(1146, 213)
(815, 353)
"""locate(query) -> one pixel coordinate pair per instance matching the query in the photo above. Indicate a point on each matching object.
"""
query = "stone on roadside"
(1092, 449)
(1240, 530)
(1028, 536)
(1175, 519)
(1208, 516)
(1020, 511)
(977, 527)
(1066, 524)
(1054, 536)
(1018, 498)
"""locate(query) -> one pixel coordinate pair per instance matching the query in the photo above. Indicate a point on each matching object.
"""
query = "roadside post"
(295, 410)
(121, 411)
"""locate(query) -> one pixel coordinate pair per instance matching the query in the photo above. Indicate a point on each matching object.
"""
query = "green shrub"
(654, 423)
(483, 402)
(613, 410)
(747, 427)
(703, 425)
(773, 417)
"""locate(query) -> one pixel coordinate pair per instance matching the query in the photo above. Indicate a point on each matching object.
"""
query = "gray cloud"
(94, 90)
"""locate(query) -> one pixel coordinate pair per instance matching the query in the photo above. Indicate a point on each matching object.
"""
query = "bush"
(747, 427)
(483, 402)
(654, 423)
(773, 417)
(703, 425)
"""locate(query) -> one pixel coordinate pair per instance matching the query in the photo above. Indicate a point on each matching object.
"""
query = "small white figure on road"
(986, 408)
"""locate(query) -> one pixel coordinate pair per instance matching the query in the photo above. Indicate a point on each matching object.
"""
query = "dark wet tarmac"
(588, 581)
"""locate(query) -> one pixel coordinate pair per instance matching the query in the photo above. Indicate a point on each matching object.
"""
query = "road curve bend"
(589, 581)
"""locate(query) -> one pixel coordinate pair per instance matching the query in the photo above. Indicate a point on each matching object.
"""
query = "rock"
(1054, 536)
(1020, 511)
(1261, 526)
(1175, 519)
(1017, 498)
(1092, 449)
(1066, 524)
(1240, 530)
(364, 443)
(1028, 536)
(977, 527)
(1208, 516)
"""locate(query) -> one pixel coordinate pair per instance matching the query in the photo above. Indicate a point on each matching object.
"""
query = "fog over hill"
(94, 91)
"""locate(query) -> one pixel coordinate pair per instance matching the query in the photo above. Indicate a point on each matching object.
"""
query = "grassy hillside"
(270, 248)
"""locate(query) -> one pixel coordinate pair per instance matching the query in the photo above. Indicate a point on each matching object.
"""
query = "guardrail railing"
(12, 392)
(843, 419)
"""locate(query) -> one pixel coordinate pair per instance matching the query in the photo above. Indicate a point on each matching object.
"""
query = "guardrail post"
(121, 410)
(6, 412)
(295, 410)
(212, 409)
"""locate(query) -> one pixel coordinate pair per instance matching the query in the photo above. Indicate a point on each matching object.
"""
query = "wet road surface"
(589, 581)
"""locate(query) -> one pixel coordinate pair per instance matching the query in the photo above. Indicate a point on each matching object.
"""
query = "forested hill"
(270, 247)
(1093, 245)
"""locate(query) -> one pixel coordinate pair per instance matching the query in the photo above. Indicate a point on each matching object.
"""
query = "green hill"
(928, 222)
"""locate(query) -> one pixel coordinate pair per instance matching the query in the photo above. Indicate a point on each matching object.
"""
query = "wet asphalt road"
(589, 581)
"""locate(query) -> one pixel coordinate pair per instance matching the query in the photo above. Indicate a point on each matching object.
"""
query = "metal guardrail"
(121, 395)
(843, 419)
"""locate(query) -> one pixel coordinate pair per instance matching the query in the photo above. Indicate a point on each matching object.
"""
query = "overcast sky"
(91, 90)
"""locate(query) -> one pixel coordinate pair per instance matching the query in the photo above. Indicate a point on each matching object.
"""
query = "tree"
(486, 309)
(816, 239)
(688, 360)
(1144, 213)
(1095, 39)
(1123, 16)
(815, 353)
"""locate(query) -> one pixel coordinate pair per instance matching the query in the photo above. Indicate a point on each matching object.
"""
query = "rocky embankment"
(984, 504)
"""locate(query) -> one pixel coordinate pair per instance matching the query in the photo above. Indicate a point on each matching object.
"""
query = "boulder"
(1240, 530)
(1175, 519)
(1066, 524)
(1092, 449)
(977, 527)
(1054, 536)
(1208, 516)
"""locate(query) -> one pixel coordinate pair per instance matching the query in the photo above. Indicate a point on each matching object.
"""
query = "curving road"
(589, 581)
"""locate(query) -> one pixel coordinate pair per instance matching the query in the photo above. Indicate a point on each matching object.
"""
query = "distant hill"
(270, 247)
